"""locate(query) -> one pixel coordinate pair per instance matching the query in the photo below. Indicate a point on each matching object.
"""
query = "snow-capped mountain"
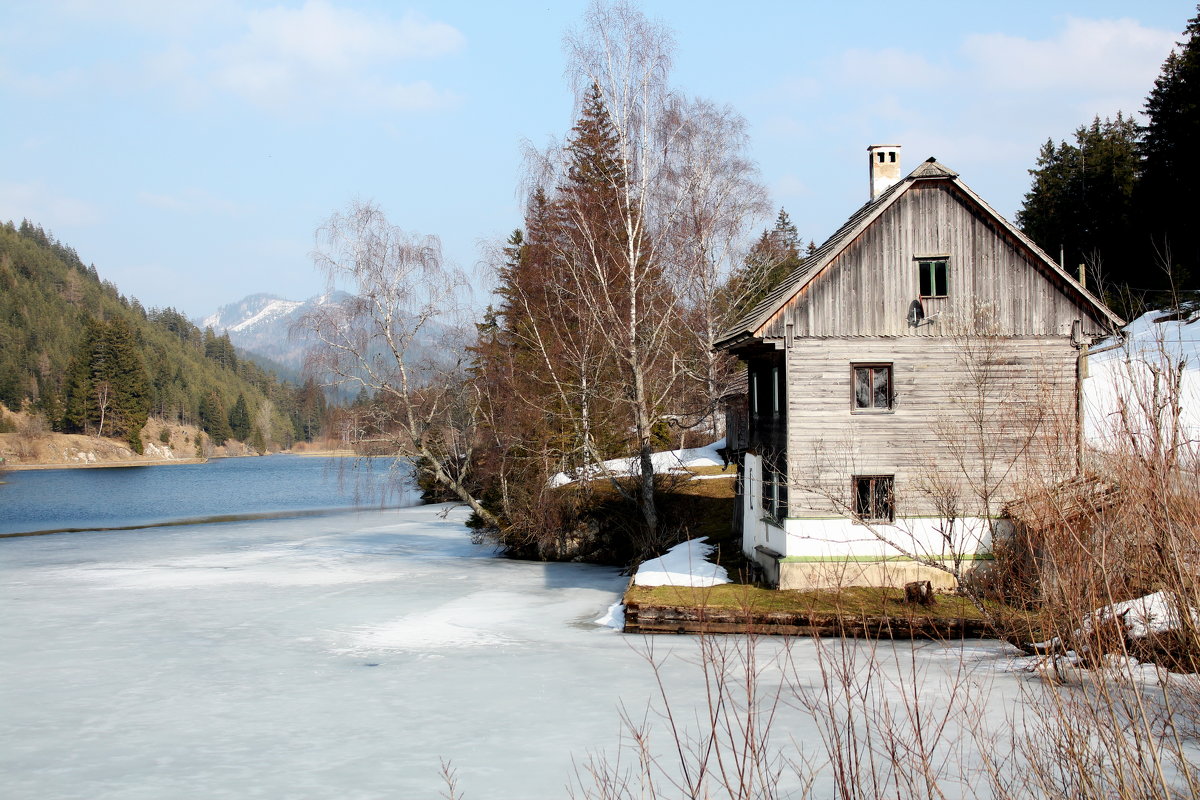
(265, 324)
(257, 309)
(262, 324)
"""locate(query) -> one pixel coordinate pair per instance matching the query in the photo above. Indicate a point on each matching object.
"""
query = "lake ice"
(340, 656)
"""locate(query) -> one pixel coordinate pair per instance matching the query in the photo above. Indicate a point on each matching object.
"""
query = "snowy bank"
(1139, 618)
(1126, 376)
(685, 564)
(669, 461)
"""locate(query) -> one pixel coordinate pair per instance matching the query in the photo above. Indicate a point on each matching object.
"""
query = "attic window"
(881, 157)
(934, 274)
(892, 157)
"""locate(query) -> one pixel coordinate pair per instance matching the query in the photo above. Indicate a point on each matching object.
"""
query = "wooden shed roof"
(750, 326)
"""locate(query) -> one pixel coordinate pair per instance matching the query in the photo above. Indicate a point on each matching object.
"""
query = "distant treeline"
(91, 360)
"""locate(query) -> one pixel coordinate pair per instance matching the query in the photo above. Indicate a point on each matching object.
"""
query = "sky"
(191, 149)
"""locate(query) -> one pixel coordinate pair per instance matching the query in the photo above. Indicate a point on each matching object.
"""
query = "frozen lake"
(344, 656)
(340, 656)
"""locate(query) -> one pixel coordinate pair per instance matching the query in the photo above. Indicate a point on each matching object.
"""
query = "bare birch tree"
(424, 410)
(719, 198)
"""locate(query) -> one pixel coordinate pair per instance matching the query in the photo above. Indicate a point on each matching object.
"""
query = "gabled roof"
(931, 169)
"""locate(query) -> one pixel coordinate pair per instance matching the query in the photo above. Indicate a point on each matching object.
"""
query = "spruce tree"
(1080, 207)
(1166, 191)
(772, 257)
(126, 372)
(213, 419)
(107, 390)
(79, 400)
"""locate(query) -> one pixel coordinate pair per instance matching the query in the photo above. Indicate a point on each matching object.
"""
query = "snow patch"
(685, 564)
(614, 617)
(1154, 613)
(668, 461)
(1141, 617)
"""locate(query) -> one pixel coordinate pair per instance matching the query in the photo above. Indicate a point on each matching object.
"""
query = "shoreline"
(102, 464)
(155, 462)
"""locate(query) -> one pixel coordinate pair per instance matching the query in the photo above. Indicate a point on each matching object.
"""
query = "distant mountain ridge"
(263, 324)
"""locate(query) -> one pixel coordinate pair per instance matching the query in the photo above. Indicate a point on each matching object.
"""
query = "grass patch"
(729, 471)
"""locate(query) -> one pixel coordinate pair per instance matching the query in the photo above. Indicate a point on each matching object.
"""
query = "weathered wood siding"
(737, 423)
(963, 408)
(867, 289)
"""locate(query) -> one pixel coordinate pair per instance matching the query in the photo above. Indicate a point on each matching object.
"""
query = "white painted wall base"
(923, 537)
(838, 551)
(839, 574)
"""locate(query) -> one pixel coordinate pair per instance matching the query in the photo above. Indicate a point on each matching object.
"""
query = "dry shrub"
(31, 432)
(1127, 526)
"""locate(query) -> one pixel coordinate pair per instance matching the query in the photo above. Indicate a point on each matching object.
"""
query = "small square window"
(872, 385)
(934, 277)
(874, 498)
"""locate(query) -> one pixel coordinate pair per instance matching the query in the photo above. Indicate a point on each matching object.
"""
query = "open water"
(97, 498)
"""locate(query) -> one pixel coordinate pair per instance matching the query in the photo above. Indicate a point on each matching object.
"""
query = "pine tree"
(107, 390)
(594, 169)
(79, 396)
(239, 419)
(126, 371)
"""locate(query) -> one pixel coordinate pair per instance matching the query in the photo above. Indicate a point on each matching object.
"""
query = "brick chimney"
(885, 167)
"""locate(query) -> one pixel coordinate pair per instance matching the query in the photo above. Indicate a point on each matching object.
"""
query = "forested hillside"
(94, 361)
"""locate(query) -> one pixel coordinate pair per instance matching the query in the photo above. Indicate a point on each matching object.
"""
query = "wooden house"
(901, 383)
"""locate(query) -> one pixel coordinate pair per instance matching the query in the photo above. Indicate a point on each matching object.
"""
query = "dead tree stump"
(919, 592)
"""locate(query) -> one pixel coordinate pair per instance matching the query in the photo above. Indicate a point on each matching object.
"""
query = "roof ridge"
(932, 168)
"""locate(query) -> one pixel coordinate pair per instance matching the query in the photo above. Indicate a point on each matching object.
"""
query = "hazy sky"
(189, 149)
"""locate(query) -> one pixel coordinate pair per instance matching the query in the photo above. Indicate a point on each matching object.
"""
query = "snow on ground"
(685, 564)
(1127, 374)
(669, 461)
(1142, 616)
